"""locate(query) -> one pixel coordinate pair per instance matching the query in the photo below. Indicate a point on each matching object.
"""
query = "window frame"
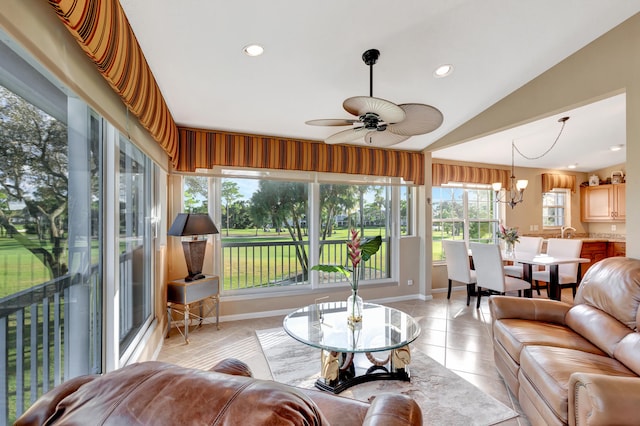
(314, 180)
(466, 220)
(566, 217)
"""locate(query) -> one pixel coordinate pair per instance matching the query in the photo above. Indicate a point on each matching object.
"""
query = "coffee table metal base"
(339, 370)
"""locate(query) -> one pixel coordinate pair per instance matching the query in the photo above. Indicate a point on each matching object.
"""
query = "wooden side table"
(181, 293)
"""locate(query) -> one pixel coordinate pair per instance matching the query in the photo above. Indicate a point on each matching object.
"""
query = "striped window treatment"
(206, 149)
(102, 30)
(445, 173)
(551, 181)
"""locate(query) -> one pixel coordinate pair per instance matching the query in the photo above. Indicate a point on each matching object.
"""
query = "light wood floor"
(455, 335)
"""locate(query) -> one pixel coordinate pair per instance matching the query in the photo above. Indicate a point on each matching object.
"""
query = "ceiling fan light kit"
(380, 123)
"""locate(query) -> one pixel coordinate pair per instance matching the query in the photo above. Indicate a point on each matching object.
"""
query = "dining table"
(528, 260)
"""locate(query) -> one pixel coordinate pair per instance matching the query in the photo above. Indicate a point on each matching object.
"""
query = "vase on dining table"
(509, 248)
(355, 305)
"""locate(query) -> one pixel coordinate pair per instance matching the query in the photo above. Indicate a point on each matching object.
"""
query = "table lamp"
(193, 224)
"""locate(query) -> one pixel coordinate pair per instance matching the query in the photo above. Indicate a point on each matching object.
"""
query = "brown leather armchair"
(157, 393)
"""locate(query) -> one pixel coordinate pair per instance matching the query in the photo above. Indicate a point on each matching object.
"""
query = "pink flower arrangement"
(359, 251)
(510, 235)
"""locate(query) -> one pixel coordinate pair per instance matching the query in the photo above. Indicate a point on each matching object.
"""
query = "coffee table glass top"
(325, 326)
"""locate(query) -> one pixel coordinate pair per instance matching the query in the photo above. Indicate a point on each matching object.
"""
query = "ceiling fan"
(381, 123)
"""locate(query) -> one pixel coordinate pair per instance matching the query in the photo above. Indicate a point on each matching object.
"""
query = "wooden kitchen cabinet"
(617, 248)
(595, 251)
(603, 203)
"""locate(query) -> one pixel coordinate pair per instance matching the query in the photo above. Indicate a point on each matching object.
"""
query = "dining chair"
(568, 272)
(458, 268)
(525, 245)
(490, 272)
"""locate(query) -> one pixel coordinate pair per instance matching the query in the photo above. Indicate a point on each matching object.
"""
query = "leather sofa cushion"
(597, 326)
(621, 300)
(164, 394)
(548, 370)
(628, 352)
(515, 334)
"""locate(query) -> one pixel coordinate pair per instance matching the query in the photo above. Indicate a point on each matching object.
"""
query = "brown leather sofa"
(575, 364)
(155, 393)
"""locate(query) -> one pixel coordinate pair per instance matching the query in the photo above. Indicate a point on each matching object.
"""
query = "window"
(135, 242)
(555, 208)
(363, 207)
(462, 213)
(50, 234)
(406, 210)
(270, 227)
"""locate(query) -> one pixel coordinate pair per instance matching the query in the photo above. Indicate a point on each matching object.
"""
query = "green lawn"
(20, 269)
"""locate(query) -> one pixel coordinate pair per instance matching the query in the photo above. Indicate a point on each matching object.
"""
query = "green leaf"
(370, 246)
(332, 268)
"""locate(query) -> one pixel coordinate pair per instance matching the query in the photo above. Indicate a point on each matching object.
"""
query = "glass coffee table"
(377, 348)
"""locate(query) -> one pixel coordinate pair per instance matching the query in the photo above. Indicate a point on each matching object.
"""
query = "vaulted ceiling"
(312, 62)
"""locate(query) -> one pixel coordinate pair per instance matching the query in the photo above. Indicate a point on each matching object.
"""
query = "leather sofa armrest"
(393, 409)
(45, 407)
(598, 399)
(232, 366)
(529, 309)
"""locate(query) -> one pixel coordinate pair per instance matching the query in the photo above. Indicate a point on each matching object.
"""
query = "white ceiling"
(312, 62)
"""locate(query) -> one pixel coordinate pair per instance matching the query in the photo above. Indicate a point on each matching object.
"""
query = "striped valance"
(103, 32)
(206, 149)
(551, 181)
(447, 173)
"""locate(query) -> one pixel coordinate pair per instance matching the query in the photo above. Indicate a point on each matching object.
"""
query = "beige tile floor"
(454, 334)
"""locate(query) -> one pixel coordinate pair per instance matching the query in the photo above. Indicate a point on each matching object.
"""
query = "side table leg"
(168, 320)
(217, 302)
(186, 324)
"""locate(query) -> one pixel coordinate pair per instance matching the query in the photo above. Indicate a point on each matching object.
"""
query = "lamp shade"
(192, 224)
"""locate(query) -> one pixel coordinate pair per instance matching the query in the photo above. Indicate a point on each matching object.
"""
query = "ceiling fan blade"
(345, 136)
(387, 111)
(331, 122)
(382, 139)
(420, 119)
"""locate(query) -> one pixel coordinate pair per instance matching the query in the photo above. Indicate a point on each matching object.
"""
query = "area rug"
(444, 397)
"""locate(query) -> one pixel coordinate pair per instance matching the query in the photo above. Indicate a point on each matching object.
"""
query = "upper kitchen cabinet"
(603, 203)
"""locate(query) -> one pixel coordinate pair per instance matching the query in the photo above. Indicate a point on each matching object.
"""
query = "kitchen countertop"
(592, 239)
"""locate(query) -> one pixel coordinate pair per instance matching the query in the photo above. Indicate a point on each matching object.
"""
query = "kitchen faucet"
(563, 229)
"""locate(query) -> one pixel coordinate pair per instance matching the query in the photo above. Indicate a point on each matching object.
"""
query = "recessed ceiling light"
(443, 71)
(253, 50)
(616, 147)
(572, 166)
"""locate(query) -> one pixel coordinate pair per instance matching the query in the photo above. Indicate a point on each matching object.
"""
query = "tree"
(285, 205)
(334, 199)
(196, 194)
(34, 170)
(230, 193)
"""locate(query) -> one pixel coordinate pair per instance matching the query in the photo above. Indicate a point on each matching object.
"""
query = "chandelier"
(514, 194)
(516, 186)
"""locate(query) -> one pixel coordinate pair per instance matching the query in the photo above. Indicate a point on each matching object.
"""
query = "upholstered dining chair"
(458, 268)
(490, 272)
(525, 245)
(568, 272)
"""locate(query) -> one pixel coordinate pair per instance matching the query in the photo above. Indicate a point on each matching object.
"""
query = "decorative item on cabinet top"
(594, 180)
(617, 177)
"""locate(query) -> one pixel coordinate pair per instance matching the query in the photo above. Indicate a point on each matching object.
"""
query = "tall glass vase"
(509, 248)
(354, 307)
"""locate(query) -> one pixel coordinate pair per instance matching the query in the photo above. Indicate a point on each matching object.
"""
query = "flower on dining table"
(359, 251)
(510, 235)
